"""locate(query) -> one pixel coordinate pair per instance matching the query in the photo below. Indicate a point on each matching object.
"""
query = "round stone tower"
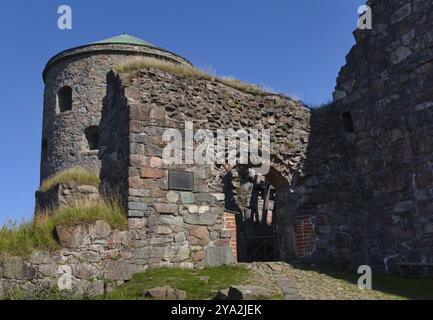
(75, 85)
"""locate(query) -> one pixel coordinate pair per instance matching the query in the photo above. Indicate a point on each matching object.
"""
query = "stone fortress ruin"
(350, 183)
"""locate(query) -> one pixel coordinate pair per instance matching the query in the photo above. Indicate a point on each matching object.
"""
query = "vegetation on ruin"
(77, 174)
(135, 64)
(199, 284)
(39, 234)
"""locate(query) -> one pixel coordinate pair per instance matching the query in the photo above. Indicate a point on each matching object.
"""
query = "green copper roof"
(126, 39)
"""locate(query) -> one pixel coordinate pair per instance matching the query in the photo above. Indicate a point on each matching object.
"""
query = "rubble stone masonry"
(353, 181)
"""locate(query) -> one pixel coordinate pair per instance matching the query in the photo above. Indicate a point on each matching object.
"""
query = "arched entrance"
(253, 199)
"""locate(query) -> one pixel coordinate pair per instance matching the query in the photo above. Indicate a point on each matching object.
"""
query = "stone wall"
(384, 96)
(366, 182)
(93, 259)
(324, 192)
(192, 222)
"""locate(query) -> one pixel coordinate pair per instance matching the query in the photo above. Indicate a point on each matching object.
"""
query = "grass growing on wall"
(79, 175)
(39, 234)
(135, 64)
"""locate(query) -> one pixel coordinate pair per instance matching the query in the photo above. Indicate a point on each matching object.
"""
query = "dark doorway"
(253, 198)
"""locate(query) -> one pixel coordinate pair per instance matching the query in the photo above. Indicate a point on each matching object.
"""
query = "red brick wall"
(230, 224)
(304, 237)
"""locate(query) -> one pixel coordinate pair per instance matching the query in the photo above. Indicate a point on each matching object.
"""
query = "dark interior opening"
(64, 99)
(348, 122)
(44, 148)
(92, 136)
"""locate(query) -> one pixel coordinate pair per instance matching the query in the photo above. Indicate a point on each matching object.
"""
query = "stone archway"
(254, 200)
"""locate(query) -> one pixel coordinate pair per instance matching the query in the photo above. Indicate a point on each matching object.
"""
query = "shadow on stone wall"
(326, 191)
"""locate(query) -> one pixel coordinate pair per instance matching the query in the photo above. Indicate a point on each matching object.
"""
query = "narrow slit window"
(44, 148)
(64, 99)
(348, 122)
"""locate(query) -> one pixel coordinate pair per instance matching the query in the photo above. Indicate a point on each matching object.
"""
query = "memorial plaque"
(181, 180)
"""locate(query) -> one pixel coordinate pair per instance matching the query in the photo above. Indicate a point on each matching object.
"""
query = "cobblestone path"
(298, 284)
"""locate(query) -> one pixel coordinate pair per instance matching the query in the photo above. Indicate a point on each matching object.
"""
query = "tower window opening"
(92, 136)
(44, 148)
(64, 99)
(348, 122)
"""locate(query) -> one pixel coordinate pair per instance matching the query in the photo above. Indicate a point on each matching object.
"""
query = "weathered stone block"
(217, 256)
(136, 223)
(187, 197)
(172, 196)
(73, 236)
(180, 237)
(135, 214)
(164, 230)
(135, 182)
(151, 173)
(100, 230)
(205, 219)
(17, 268)
(165, 293)
(156, 162)
(193, 208)
(138, 206)
(89, 256)
(183, 253)
(226, 233)
(84, 271)
(198, 256)
(48, 270)
(39, 257)
(198, 235)
(166, 208)
(141, 193)
(170, 220)
(118, 270)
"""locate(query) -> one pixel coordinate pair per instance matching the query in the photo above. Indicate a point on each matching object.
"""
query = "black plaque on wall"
(181, 180)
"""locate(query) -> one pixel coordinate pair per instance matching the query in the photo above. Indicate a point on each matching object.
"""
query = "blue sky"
(295, 47)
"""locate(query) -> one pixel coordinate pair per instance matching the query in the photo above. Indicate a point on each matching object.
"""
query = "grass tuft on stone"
(199, 284)
(39, 234)
(135, 64)
(79, 175)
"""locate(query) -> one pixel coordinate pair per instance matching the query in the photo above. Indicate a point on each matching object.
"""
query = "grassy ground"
(39, 234)
(77, 174)
(185, 70)
(182, 279)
